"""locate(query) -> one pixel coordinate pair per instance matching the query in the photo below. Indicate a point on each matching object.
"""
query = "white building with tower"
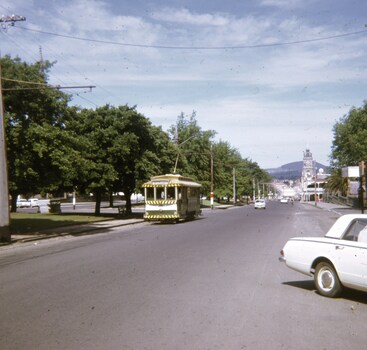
(313, 179)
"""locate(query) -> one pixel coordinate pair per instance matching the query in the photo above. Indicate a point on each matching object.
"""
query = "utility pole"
(362, 184)
(234, 186)
(211, 178)
(315, 184)
(5, 236)
(254, 189)
(4, 194)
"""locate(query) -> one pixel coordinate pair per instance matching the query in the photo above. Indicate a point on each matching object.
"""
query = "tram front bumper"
(160, 215)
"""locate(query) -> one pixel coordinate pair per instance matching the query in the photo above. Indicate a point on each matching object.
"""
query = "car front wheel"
(327, 281)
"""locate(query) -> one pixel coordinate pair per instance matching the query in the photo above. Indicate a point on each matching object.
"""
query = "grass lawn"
(32, 223)
(206, 203)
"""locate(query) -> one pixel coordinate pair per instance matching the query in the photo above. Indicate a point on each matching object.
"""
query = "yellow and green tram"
(171, 197)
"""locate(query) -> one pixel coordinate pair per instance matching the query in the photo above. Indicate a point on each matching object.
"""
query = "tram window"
(170, 192)
(191, 192)
(160, 193)
(150, 193)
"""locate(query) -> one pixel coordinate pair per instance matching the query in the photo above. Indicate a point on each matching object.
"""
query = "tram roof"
(171, 180)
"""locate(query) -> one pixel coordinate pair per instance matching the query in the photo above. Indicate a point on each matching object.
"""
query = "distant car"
(260, 204)
(137, 197)
(23, 203)
(33, 202)
(283, 200)
(337, 260)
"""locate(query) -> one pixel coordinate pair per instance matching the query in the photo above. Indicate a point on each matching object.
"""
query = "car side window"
(354, 230)
(362, 236)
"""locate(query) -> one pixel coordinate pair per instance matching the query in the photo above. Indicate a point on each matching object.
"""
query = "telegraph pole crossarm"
(9, 21)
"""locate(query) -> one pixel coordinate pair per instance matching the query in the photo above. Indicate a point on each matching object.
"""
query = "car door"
(351, 257)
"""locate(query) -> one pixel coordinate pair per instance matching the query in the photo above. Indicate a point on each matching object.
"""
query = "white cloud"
(287, 94)
(184, 16)
(10, 7)
(283, 3)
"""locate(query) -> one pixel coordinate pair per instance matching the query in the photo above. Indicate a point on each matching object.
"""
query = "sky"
(271, 77)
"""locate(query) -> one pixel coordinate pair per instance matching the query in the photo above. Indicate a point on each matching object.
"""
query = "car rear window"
(355, 227)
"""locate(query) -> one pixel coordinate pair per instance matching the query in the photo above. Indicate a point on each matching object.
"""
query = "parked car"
(33, 202)
(260, 204)
(23, 203)
(283, 200)
(337, 260)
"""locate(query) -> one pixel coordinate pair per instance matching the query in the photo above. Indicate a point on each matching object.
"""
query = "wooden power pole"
(5, 236)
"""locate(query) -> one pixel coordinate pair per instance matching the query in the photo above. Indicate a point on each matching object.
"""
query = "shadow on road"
(307, 285)
(348, 294)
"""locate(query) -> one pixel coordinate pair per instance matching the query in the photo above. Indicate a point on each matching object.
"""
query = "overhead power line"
(24, 82)
(198, 47)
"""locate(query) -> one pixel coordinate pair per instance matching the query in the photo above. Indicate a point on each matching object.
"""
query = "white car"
(23, 203)
(260, 204)
(337, 260)
(33, 202)
(283, 200)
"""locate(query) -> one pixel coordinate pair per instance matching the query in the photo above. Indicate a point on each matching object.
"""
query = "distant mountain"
(292, 171)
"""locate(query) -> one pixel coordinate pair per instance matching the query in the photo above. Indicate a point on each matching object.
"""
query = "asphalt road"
(212, 283)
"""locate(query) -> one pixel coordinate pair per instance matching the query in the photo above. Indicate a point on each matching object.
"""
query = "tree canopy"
(37, 146)
(118, 143)
(350, 138)
(196, 149)
(53, 147)
(192, 148)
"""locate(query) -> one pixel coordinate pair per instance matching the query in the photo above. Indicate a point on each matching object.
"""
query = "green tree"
(158, 159)
(349, 147)
(250, 171)
(226, 159)
(38, 150)
(123, 150)
(144, 152)
(336, 183)
(196, 150)
(193, 149)
(229, 164)
(350, 138)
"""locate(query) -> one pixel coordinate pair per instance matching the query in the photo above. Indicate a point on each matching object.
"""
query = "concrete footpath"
(336, 208)
(101, 226)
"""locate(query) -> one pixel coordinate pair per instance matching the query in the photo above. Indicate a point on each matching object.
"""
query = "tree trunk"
(98, 203)
(14, 197)
(111, 199)
(128, 202)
